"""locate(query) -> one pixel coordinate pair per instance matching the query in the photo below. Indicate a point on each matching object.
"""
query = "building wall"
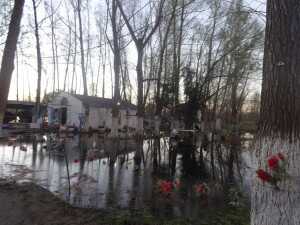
(98, 117)
(103, 117)
(74, 107)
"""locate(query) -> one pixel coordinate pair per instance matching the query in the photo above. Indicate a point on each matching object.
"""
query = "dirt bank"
(29, 204)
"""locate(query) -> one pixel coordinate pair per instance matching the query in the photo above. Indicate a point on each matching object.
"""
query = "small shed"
(88, 111)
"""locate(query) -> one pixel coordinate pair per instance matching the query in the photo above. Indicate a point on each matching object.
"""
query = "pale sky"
(26, 66)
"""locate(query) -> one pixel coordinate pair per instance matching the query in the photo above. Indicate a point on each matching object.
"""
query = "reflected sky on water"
(105, 183)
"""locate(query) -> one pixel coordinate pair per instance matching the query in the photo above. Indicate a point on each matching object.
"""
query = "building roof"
(97, 102)
(14, 104)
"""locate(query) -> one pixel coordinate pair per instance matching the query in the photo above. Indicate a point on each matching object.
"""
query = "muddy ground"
(29, 204)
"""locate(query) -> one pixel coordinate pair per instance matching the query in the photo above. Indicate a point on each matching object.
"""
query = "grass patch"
(226, 216)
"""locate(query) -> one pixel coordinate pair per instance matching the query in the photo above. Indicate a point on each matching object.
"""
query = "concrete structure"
(88, 112)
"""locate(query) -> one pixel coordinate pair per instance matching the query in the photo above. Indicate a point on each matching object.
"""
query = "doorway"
(64, 116)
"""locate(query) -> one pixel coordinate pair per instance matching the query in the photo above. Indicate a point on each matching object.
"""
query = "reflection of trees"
(82, 153)
(110, 200)
(135, 189)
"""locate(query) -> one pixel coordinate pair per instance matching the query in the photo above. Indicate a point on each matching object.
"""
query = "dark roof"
(97, 102)
(13, 104)
(24, 103)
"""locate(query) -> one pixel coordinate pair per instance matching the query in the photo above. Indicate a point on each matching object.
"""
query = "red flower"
(273, 162)
(200, 188)
(165, 187)
(263, 175)
(280, 156)
(76, 161)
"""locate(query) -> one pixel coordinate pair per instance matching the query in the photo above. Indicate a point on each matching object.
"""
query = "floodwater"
(110, 181)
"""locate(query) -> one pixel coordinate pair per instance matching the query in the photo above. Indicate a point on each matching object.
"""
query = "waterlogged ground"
(28, 204)
(109, 182)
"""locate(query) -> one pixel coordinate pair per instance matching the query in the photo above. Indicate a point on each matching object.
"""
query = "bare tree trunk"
(140, 105)
(68, 56)
(140, 43)
(104, 69)
(83, 71)
(280, 116)
(177, 53)
(161, 62)
(75, 52)
(39, 63)
(117, 66)
(7, 65)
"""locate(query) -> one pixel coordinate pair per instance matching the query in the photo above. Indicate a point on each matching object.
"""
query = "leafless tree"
(7, 65)
(141, 38)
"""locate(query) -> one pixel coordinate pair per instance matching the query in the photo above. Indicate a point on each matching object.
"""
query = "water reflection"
(101, 173)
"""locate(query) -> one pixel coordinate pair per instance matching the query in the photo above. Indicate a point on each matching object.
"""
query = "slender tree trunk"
(161, 63)
(178, 54)
(7, 65)
(17, 59)
(83, 71)
(104, 69)
(68, 57)
(39, 63)
(75, 53)
(117, 67)
(140, 105)
(279, 125)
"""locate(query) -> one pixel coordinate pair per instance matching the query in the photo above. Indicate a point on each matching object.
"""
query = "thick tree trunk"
(7, 65)
(280, 115)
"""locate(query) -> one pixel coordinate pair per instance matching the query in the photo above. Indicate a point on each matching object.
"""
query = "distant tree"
(243, 31)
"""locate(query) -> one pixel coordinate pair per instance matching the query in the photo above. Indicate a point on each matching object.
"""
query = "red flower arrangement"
(201, 189)
(275, 161)
(165, 187)
(263, 175)
(276, 164)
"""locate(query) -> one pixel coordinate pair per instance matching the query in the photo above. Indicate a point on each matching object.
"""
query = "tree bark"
(279, 124)
(39, 63)
(117, 68)
(83, 71)
(140, 105)
(7, 65)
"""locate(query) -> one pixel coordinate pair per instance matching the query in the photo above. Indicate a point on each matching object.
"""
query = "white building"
(88, 111)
